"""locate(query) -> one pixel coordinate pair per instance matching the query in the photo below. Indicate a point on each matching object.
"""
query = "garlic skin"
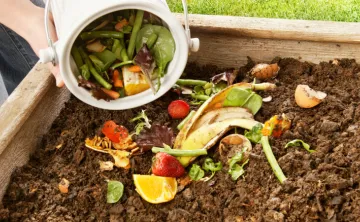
(305, 97)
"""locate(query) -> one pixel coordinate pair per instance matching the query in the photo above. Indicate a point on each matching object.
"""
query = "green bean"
(119, 50)
(189, 116)
(85, 72)
(117, 65)
(136, 28)
(93, 71)
(101, 34)
(77, 57)
(200, 97)
(178, 152)
(151, 40)
(191, 82)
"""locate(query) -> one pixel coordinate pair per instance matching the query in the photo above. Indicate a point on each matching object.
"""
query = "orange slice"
(155, 189)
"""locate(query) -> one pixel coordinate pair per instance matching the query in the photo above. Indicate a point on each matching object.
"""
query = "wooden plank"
(230, 51)
(20, 104)
(319, 31)
(26, 140)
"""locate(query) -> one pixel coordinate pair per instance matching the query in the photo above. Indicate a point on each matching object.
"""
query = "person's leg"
(16, 57)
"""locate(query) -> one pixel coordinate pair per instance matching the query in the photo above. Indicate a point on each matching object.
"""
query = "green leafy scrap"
(254, 135)
(210, 166)
(299, 143)
(196, 173)
(236, 170)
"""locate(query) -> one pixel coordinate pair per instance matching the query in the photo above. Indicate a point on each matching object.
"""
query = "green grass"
(328, 10)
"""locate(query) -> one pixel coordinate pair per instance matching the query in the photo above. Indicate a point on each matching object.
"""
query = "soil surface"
(321, 186)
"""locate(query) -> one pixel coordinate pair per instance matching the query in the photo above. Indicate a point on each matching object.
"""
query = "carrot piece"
(116, 79)
(121, 24)
(111, 93)
(135, 68)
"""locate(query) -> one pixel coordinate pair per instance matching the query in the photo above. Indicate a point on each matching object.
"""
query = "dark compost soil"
(321, 186)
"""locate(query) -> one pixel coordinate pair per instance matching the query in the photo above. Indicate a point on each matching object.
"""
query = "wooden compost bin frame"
(225, 41)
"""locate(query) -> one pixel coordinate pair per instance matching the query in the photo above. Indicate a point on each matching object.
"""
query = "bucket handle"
(53, 57)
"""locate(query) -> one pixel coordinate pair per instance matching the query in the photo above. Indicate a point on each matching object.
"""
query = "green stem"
(263, 86)
(180, 153)
(189, 116)
(136, 28)
(77, 57)
(272, 160)
(117, 65)
(93, 71)
(200, 97)
(151, 40)
(100, 79)
(191, 82)
(101, 34)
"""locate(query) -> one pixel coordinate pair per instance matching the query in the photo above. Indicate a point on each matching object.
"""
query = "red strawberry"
(167, 166)
(178, 109)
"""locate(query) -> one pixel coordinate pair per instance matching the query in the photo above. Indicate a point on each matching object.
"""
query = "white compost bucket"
(71, 17)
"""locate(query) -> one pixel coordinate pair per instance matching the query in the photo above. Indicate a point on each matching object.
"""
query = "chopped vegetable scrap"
(255, 135)
(106, 165)
(265, 71)
(115, 190)
(155, 189)
(64, 185)
(157, 135)
(276, 126)
(116, 142)
(306, 97)
(130, 43)
(142, 121)
(196, 173)
(236, 170)
(210, 166)
(299, 143)
(178, 109)
(167, 166)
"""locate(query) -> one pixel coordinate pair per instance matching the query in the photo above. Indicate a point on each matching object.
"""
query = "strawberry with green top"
(167, 166)
(178, 109)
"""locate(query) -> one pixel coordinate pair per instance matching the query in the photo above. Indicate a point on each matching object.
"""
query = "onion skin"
(265, 71)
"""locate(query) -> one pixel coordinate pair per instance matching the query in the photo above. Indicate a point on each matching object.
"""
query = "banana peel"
(222, 114)
(214, 102)
(211, 121)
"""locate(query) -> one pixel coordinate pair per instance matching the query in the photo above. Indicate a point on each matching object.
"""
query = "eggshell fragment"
(306, 97)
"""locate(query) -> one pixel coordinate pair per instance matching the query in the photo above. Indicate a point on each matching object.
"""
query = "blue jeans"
(16, 57)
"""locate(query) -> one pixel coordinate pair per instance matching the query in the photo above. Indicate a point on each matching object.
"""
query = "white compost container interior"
(71, 17)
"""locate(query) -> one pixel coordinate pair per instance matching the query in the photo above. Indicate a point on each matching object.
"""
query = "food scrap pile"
(266, 142)
(122, 53)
